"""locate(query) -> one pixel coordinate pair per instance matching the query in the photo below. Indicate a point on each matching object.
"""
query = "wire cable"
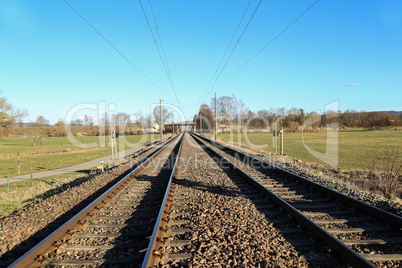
(270, 42)
(118, 51)
(231, 53)
(164, 55)
(164, 62)
(227, 48)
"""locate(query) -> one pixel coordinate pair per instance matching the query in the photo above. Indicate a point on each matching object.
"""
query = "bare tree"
(139, 121)
(105, 121)
(120, 121)
(89, 122)
(227, 108)
(166, 115)
(9, 115)
(148, 120)
(38, 131)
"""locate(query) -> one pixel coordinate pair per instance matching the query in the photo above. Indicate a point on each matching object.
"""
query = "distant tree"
(302, 117)
(120, 121)
(313, 119)
(148, 120)
(166, 115)
(351, 118)
(331, 118)
(9, 115)
(105, 122)
(59, 127)
(266, 115)
(196, 121)
(38, 131)
(139, 121)
(89, 121)
(205, 114)
(253, 121)
(293, 115)
(76, 122)
(227, 108)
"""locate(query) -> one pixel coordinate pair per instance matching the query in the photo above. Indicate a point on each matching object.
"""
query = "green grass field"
(352, 144)
(58, 152)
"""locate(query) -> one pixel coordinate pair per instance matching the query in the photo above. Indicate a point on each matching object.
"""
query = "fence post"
(19, 172)
(31, 176)
(8, 186)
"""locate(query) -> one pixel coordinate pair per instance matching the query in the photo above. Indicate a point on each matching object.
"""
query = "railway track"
(114, 229)
(200, 206)
(44, 220)
(362, 234)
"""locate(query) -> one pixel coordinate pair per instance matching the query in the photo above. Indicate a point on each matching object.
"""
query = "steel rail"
(326, 238)
(157, 238)
(34, 257)
(380, 214)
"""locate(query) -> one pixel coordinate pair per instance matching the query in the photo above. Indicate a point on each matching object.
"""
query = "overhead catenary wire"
(163, 58)
(270, 42)
(234, 48)
(112, 46)
(160, 41)
(227, 48)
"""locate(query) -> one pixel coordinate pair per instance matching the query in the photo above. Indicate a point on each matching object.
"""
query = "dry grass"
(384, 167)
(27, 192)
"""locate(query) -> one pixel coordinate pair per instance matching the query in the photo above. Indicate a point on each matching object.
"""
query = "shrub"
(384, 168)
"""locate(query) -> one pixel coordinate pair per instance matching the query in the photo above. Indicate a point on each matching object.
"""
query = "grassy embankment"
(353, 145)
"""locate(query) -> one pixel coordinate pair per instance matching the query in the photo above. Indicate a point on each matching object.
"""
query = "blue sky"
(347, 51)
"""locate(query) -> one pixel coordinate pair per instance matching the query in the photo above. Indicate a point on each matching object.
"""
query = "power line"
(164, 55)
(231, 53)
(111, 45)
(163, 58)
(236, 44)
(227, 48)
(270, 42)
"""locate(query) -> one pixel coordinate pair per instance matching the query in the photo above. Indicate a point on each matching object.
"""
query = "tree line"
(11, 123)
(233, 112)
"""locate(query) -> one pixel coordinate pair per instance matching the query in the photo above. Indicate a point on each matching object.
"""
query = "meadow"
(59, 152)
(353, 145)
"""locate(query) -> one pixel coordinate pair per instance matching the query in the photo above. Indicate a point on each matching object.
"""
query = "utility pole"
(216, 118)
(281, 141)
(239, 123)
(201, 123)
(160, 117)
(275, 138)
(112, 144)
(115, 145)
(172, 125)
